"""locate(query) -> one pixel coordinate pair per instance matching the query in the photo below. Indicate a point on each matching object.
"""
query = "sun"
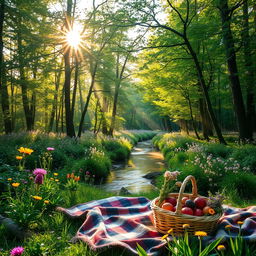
(73, 38)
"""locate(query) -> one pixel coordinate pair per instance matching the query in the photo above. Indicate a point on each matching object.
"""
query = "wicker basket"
(164, 220)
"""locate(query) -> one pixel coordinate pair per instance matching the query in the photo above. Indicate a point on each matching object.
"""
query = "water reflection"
(144, 159)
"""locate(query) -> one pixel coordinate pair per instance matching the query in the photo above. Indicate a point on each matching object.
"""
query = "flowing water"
(144, 159)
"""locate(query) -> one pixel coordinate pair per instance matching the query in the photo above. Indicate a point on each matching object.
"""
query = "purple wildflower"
(87, 173)
(39, 171)
(50, 149)
(17, 251)
(39, 179)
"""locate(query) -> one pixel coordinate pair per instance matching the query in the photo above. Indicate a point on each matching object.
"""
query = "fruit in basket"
(184, 199)
(198, 212)
(168, 207)
(200, 202)
(190, 203)
(187, 210)
(171, 200)
(206, 210)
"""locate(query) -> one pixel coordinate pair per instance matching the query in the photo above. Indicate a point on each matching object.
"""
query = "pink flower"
(17, 251)
(39, 179)
(39, 171)
(50, 149)
(87, 173)
(171, 175)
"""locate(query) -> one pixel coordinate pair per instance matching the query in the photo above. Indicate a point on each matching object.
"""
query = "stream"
(143, 159)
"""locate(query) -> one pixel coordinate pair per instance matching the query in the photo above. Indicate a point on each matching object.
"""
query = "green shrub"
(217, 150)
(246, 156)
(241, 185)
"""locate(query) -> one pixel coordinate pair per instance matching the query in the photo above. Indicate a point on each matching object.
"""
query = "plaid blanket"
(126, 221)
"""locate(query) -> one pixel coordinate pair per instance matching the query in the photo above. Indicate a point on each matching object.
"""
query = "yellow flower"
(164, 237)
(46, 201)
(28, 151)
(19, 157)
(55, 174)
(9, 179)
(240, 223)
(56, 180)
(51, 178)
(200, 233)
(186, 226)
(25, 150)
(228, 226)
(170, 231)
(21, 150)
(221, 247)
(15, 185)
(37, 197)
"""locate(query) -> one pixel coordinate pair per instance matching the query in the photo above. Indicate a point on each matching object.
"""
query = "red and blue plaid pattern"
(126, 221)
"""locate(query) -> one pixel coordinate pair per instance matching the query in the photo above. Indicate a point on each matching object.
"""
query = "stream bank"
(144, 159)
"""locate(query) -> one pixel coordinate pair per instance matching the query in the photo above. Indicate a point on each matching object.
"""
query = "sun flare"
(73, 38)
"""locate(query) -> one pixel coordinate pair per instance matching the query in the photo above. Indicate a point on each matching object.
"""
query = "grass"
(51, 231)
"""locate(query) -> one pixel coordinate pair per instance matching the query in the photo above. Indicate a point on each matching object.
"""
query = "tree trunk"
(239, 108)
(3, 85)
(249, 73)
(192, 118)
(205, 91)
(55, 99)
(87, 101)
(75, 87)
(69, 118)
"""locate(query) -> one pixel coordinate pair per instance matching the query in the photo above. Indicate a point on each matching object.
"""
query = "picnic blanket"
(126, 221)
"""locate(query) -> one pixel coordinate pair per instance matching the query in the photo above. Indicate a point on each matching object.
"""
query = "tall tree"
(226, 15)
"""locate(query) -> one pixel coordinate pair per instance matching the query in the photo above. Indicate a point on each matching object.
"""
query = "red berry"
(171, 200)
(167, 206)
(200, 202)
(187, 210)
(198, 212)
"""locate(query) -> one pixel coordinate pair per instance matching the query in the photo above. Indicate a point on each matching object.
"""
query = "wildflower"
(46, 201)
(38, 198)
(87, 173)
(68, 176)
(221, 247)
(72, 175)
(77, 178)
(17, 251)
(240, 223)
(27, 151)
(228, 226)
(200, 233)
(51, 178)
(9, 179)
(171, 175)
(55, 174)
(15, 185)
(164, 237)
(39, 179)
(211, 211)
(186, 226)
(170, 231)
(19, 157)
(39, 171)
(57, 180)
(50, 149)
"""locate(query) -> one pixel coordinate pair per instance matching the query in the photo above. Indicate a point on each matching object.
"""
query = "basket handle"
(182, 188)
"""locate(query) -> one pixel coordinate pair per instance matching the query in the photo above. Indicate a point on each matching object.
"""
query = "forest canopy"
(70, 66)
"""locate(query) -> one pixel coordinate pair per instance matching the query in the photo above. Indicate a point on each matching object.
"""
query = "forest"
(127, 127)
(71, 66)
